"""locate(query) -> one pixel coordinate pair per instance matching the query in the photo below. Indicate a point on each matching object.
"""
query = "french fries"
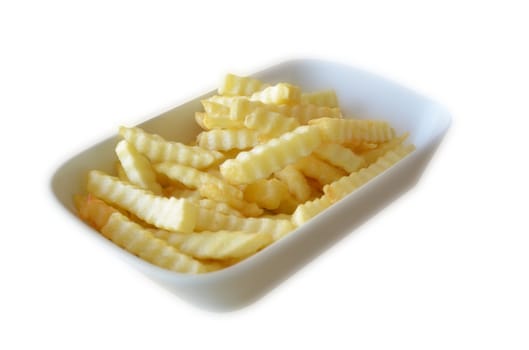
(264, 159)
(234, 85)
(219, 245)
(140, 241)
(269, 159)
(281, 93)
(168, 213)
(326, 98)
(269, 124)
(137, 168)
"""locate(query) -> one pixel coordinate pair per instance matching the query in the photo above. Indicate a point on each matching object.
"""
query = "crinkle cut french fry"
(228, 139)
(213, 108)
(341, 188)
(215, 192)
(325, 98)
(270, 124)
(141, 242)
(278, 94)
(370, 156)
(267, 158)
(220, 121)
(137, 167)
(233, 85)
(209, 220)
(339, 156)
(296, 182)
(167, 213)
(221, 207)
(199, 119)
(216, 245)
(359, 147)
(241, 107)
(223, 100)
(346, 130)
(209, 186)
(304, 212)
(319, 170)
(304, 113)
(93, 210)
(266, 193)
(195, 179)
(158, 149)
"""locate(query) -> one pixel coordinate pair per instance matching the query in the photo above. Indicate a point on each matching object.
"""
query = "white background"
(445, 266)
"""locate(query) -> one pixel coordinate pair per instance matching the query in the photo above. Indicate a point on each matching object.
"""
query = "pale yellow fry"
(195, 179)
(266, 193)
(360, 147)
(216, 245)
(213, 108)
(221, 121)
(217, 116)
(228, 139)
(304, 212)
(199, 119)
(241, 107)
(223, 100)
(319, 170)
(137, 167)
(215, 192)
(370, 156)
(209, 220)
(140, 241)
(211, 204)
(167, 213)
(346, 130)
(341, 188)
(304, 113)
(269, 124)
(209, 186)
(264, 159)
(296, 182)
(233, 85)
(339, 156)
(159, 150)
(93, 210)
(325, 98)
(278, 94)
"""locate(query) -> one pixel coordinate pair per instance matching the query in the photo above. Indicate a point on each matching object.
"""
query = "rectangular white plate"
(361, 94)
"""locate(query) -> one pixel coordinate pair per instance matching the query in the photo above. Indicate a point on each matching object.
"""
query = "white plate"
(361, 94)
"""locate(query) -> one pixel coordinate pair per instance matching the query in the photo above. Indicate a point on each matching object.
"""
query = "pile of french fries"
(269, 159)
